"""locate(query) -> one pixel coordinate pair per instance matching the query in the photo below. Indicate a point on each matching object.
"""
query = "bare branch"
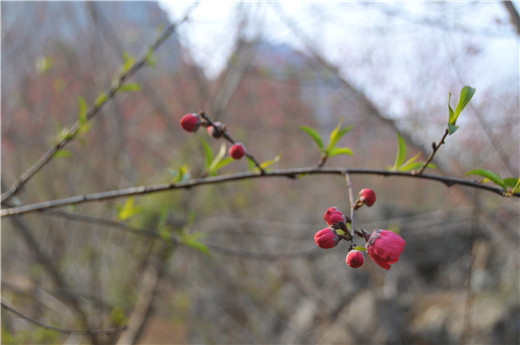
(173, 240)
(63, 330)
(286, 173)
(352, 204)
(42, 258)
(435, 148)
(75, 129)
(513, 13)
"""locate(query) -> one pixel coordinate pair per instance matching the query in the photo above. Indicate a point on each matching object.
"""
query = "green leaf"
(466, 94)
(452, 128)
(82, 110)
(410, 166)
(129, 87)
(84, 128)
(102, 98)
(192, 240)
(271, 162)
(150, 59)
(513, 183)
(414, 166)
(451, 112)
(221, 153)
(413, 159)
(208, 152)
(401, 152)
(62, 153)
(336, 135)
(223, 163)
(314, 135)
(129, 62)
(340, 151)
(251, 163)
(490, 175)
(64, 135)
(182, 174)
(128, 209)
(360, 248)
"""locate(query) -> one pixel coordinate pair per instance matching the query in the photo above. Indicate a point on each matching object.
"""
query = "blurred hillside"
(265, 280)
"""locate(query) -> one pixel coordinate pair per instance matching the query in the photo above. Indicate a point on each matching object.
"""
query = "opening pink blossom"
(385, 247)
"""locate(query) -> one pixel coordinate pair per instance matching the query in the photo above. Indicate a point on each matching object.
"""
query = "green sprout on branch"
(331, 150)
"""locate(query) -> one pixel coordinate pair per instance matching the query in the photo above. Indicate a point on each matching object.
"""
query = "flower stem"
(351, 202)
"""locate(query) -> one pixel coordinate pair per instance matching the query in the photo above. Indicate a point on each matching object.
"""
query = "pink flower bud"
(338, 221)
(385, 247)
(335, 218)
(326, 238)
(190, 122)
(237, 151)
(367, 196)
(355, 259)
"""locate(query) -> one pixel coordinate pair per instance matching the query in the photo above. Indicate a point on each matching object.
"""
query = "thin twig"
(63, 330)
(291, 173)
(435, 147)
(75, 129)
(174, 240)
(351, 202)
(226, 135)
(323, 159)
(466, 317)
(42, 257)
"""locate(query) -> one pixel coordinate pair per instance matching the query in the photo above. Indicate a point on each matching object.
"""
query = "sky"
(211, 31)
(208, 32)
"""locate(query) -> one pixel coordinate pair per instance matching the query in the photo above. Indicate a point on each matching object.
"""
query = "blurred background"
(264, 69)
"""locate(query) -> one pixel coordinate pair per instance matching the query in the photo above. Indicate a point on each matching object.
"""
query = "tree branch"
(75, 129)
(288, 173)
(435, 149)
(513, 14)
(63, 330)
(226, 135)
(173, 240)
(352, 205)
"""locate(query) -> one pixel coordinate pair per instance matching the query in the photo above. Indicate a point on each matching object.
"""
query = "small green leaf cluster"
(331, 150)
(181, 174)
(466, 94)
(128, 209)
(129, 62)
(64, 134)
(215, 162)
(409, 165)
(84, 125)
(150, 58)
(193, 240)
(511, 185)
